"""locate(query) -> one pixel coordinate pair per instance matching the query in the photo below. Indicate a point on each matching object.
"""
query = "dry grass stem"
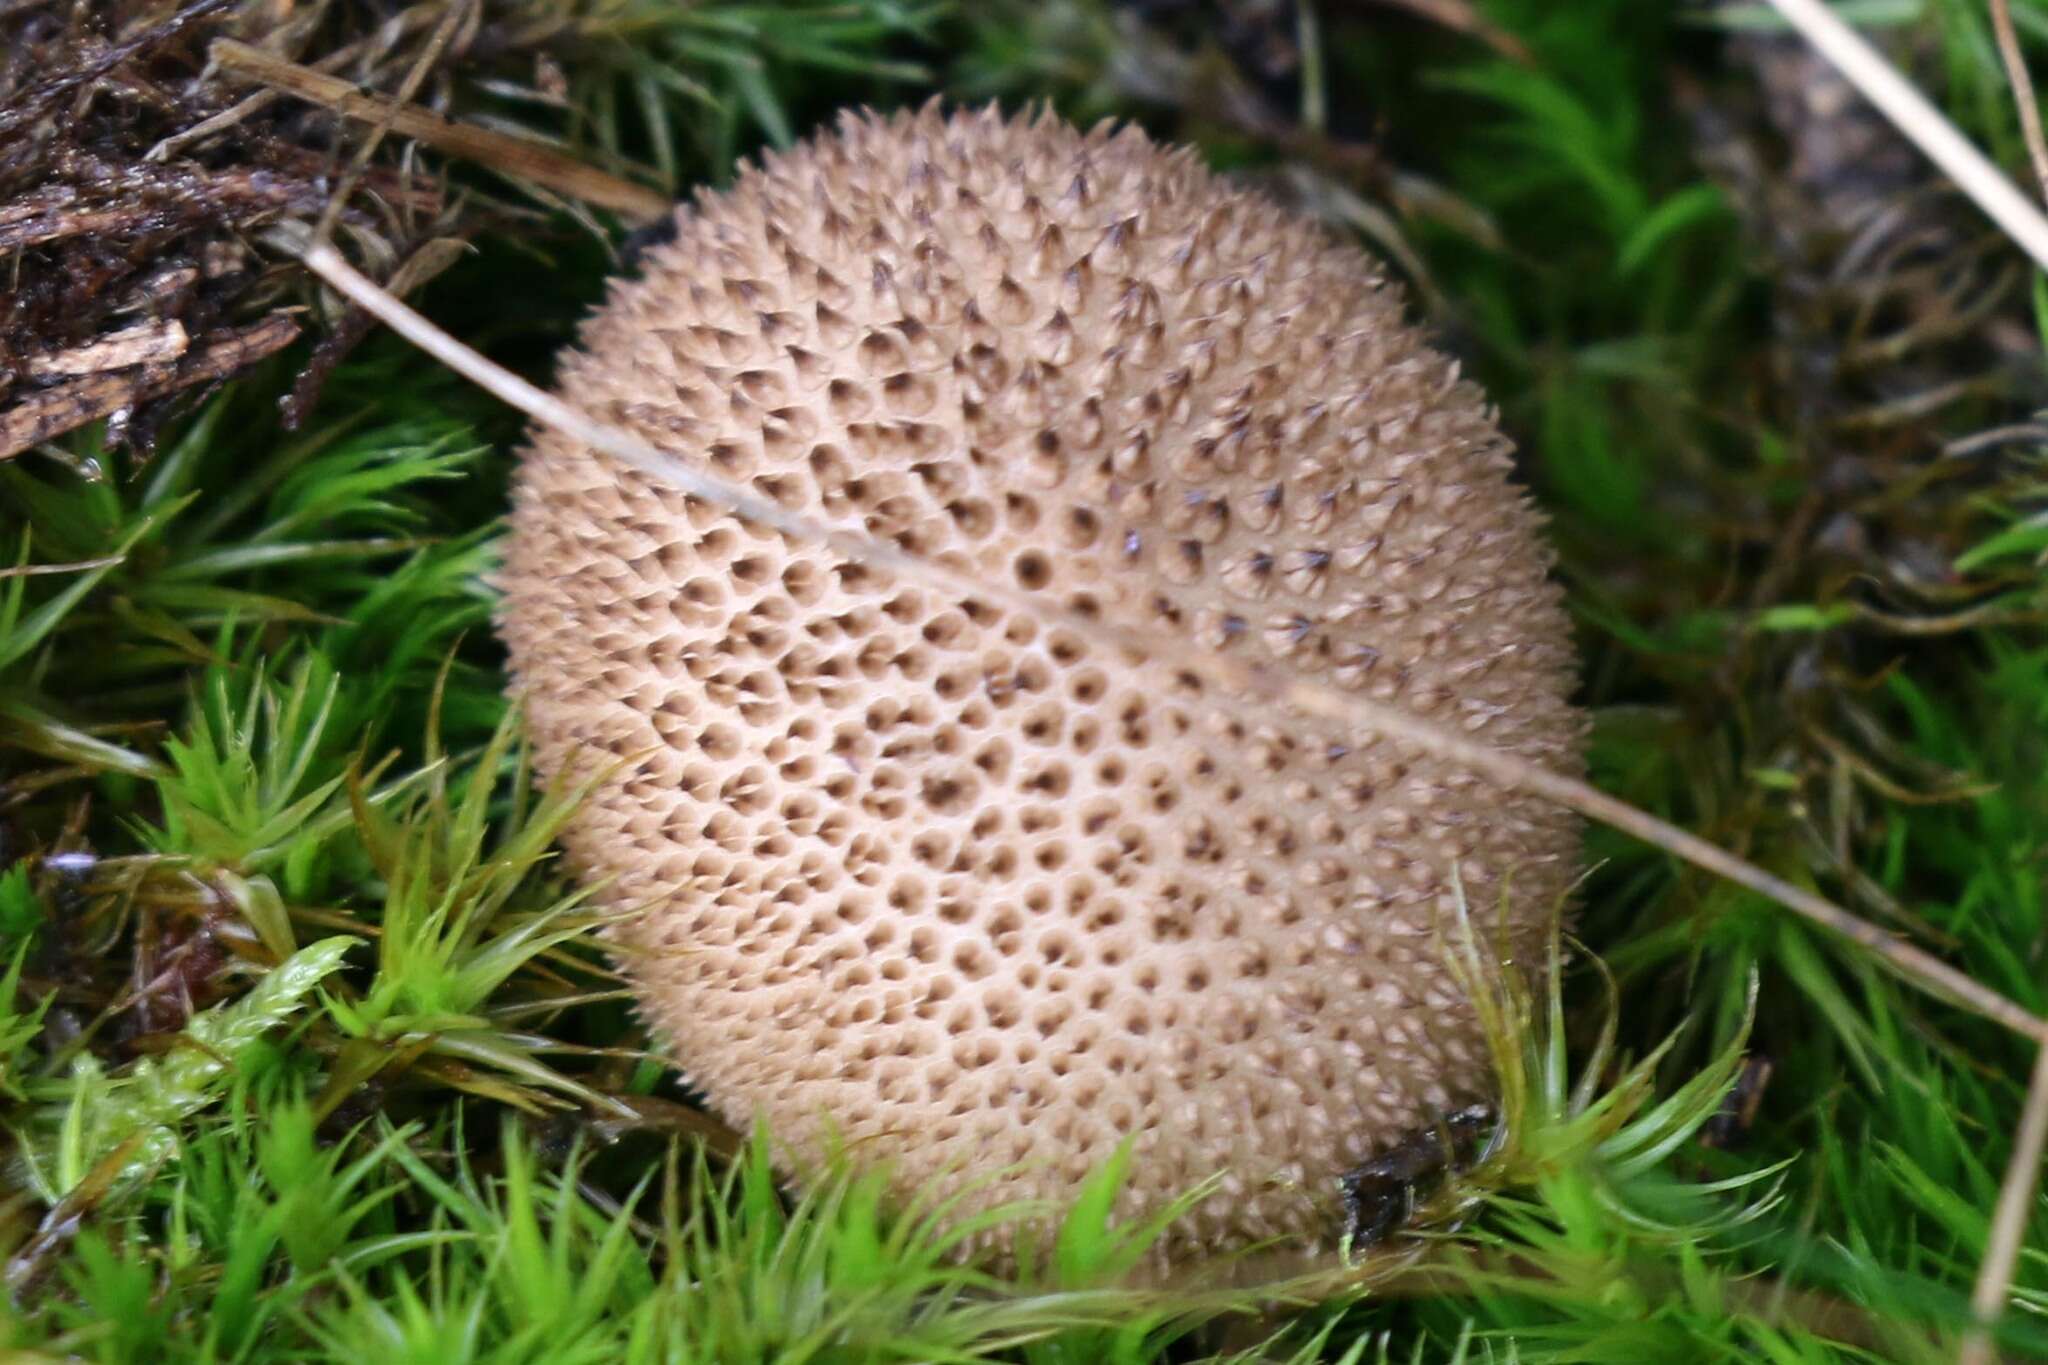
(1345, 711)
(518, 157)
(398, 27)
(399, 100)
(2015, 1211)
(2022, 89)
(1925, 126)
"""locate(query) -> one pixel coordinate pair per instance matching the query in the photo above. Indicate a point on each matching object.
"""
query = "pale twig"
(514, 156)
(2015, 1211)
(1927, 127)
(1146, 646)
(2022, 89)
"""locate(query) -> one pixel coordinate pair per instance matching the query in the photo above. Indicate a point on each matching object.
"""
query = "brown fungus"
(940, 878)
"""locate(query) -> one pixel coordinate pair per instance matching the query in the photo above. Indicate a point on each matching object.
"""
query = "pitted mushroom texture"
(959, 885)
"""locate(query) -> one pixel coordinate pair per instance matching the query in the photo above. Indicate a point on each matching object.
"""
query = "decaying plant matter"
(1902, 367)
(142, 167)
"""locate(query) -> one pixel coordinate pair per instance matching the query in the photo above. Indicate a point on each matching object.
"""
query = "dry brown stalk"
(512, 156)
(2009, 1223)
(1345, 711)
(2022, 89)
(388, 33)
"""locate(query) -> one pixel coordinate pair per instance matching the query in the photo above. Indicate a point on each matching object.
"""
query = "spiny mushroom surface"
(950, 882)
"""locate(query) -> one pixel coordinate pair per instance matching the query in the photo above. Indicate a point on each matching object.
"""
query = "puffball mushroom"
(924, 875)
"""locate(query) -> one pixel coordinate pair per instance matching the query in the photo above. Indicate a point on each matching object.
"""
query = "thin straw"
(1928, 128)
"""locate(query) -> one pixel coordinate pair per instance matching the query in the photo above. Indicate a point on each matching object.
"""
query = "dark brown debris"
(50, 411)
(155, 157)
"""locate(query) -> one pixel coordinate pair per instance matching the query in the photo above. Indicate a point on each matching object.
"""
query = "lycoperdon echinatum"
(932, 878)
